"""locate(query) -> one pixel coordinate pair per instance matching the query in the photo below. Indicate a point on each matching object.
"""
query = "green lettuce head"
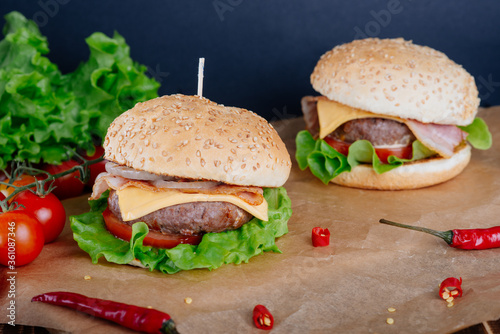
(44, 112)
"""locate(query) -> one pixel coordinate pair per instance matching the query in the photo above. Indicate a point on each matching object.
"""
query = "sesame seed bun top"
(193, 137)
(396, 77)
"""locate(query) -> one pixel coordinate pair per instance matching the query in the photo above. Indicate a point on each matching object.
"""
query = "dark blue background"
(260, 53)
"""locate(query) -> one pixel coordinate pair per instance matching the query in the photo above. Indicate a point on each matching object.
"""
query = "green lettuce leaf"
(42, 108)
(478, 134)
(215, 249)
(326, 163)
(110, 82)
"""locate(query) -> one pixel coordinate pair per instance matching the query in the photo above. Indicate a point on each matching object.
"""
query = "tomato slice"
(154, 239)
(403, 152)
(339, 145)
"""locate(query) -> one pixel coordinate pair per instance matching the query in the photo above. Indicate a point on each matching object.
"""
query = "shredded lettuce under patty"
(42, 111)
(326, 163)
(215, 249)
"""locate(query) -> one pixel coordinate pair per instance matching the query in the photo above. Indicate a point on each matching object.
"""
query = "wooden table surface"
(301, 181)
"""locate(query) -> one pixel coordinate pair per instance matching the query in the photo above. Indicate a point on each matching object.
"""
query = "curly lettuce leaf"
(42, 111)
(215, 249)
(326, 163)
(110, 82)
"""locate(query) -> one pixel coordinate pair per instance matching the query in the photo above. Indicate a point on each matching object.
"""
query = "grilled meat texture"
(189, 218)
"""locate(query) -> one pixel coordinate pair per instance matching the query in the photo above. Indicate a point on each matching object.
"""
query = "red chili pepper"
(450, 287)
(320, 237)
(479, 238)
(140, 319)
(262, 318)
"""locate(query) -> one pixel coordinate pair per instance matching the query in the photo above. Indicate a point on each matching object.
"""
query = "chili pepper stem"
(168, 327)
(445, 235)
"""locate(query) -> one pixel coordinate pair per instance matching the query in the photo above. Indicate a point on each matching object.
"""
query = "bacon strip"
(440, 138)
(251, 195)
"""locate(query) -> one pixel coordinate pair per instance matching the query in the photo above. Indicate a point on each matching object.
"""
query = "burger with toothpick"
(189, 184)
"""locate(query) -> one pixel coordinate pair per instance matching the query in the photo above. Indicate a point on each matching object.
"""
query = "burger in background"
(392, 115)
(189, 184)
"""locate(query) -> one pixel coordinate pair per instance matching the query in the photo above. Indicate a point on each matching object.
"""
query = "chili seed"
(446, 295)
(87, 277)
(391, 309)
(390, 321)
(188, 300)
(454, 293)
(450, 304)
(264, 320)
(449, 300)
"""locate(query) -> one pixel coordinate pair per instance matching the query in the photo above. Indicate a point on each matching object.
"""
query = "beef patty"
(189, 218)
(379, 131)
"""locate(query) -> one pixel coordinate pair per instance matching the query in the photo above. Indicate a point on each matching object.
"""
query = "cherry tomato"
(22, 180)
(403, 152)
(48, 209)
(154, 239)
(98, 168)
(69, 185)
(21, 238)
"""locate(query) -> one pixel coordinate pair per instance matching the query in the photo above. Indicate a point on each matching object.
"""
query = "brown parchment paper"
(344, 288)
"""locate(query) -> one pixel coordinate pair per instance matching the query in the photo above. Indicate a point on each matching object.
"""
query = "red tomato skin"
(48, 209)
(341, 146)
(154, 239)
(404, 152)
(28, 238)
(69, 185)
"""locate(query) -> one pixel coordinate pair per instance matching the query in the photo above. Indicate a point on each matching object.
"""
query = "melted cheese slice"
(332, 114)
(136, 202)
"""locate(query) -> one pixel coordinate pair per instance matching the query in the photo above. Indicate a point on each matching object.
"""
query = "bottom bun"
(418, 174)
